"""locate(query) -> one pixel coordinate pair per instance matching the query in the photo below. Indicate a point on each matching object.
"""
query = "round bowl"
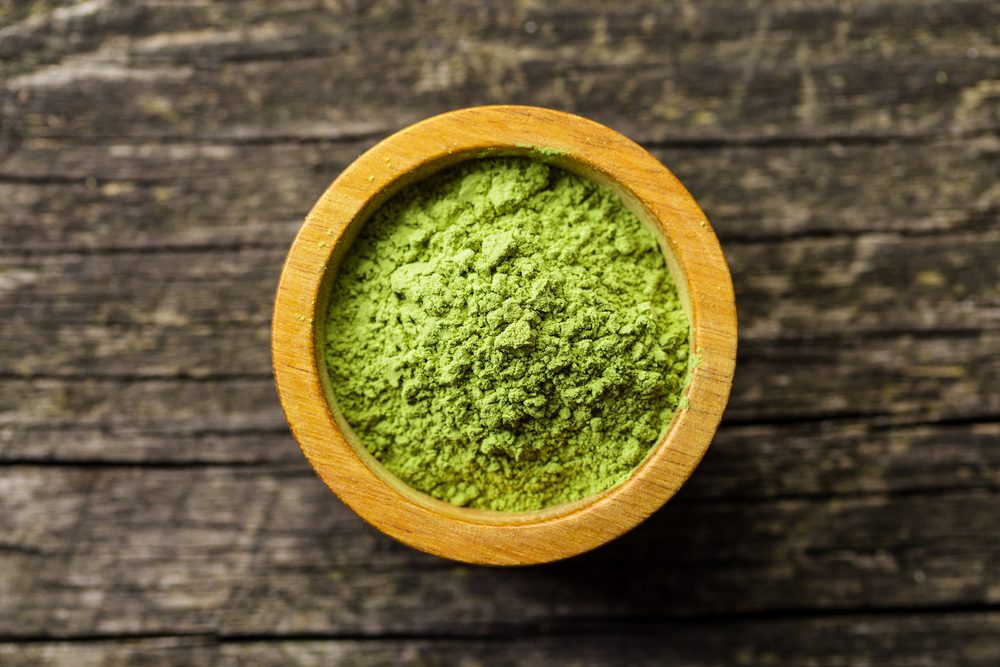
(693, 256)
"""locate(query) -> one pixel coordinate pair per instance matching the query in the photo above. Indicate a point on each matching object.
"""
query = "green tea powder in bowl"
(506, 335)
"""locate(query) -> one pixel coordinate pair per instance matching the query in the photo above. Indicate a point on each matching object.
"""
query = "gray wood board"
(156, 160)
(697, 71)
(263, 550)
(836, 641)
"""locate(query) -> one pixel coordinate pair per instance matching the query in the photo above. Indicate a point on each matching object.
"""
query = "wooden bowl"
(480, 536)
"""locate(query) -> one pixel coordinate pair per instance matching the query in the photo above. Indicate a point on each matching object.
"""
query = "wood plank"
(828, 459)
(158, 408)
(63, 197)
(753, 461)
(223, 423)
(803, 288)
(162, 196)
(907, 378)
(654, 71)
(266, 551)
(904, 380)
(934, 639)
(935, 378)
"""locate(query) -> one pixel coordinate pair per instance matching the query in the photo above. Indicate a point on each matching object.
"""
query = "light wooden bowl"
(480, 536)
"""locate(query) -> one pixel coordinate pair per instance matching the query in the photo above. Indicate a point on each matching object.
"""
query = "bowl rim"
(695, 259)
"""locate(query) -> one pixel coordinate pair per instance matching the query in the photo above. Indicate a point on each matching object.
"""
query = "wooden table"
(157, 158)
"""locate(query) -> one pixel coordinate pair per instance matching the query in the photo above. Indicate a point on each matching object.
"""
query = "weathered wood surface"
(817, 642)
(690, 70)
(263, 551)
(155, 162)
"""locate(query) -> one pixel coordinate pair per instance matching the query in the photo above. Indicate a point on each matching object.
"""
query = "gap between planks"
(708, 143)
(589, 626)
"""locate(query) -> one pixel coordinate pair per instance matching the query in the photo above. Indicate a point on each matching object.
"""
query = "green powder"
(506, 335)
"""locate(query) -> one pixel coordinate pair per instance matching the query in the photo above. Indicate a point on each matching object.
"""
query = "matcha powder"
(506, 335)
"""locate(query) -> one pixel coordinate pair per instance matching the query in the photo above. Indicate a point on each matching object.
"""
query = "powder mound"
(506, 335)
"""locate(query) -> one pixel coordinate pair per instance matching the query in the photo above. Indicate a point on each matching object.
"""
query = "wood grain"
(268, 550)
(805, 288)
(147, 196)
(154, 155)
(908, 379)
(824, 642)
(698, 71)
(806, 460)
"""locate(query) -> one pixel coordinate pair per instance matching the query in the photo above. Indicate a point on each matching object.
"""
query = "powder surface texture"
(506, 335)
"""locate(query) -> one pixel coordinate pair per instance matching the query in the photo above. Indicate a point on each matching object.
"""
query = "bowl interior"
(562, 160)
